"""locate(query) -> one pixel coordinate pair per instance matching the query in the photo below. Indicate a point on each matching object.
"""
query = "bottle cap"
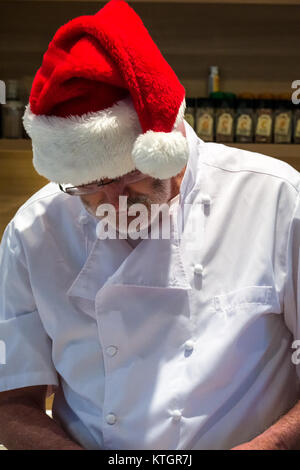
(214, 69)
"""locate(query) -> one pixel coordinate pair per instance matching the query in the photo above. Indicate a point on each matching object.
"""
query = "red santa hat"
(105, 102)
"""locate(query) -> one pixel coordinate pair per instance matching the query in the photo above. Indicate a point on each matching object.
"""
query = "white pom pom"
(160, 154)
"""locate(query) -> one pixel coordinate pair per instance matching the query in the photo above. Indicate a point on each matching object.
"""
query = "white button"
(176, 415)
(206, 199)
(189, 345)
(111, 418)
(111, 350)
(198, 269)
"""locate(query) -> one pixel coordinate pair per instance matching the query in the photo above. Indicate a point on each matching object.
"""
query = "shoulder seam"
(254, 171)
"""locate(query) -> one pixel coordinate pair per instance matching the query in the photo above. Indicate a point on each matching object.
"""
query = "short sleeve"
(292, 283)
(25, 347)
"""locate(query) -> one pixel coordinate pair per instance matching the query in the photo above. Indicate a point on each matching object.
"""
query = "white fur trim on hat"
(103, 144)
(81, 149)
(160, 154)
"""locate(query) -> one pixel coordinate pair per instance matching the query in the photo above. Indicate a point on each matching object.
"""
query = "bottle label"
(190, 119)
(213, 84)
(244, 125)
(216, 82)
(282, 124)
(297, 130)
(264, 125)
(224, 126)
(205, 125)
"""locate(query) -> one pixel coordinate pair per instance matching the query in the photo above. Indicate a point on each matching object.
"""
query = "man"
(180, 342)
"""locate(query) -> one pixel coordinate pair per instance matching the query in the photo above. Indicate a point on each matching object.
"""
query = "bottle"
(225, 114)
(189, 114)
(12, 112)
(213, 80)
(296, 123)
(264, 121)
(2, 102)
(244, 121)
(283, 122)
(205, 119)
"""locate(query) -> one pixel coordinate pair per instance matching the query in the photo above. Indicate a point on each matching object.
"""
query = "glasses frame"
(85, 189)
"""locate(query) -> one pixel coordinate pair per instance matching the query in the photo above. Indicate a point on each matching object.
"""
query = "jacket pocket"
(252, 299)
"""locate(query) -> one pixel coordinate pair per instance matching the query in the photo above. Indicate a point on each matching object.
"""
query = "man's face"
(146, 191)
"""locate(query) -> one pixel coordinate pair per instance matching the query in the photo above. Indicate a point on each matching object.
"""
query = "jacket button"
(189, 345)
(198, 269)
(176, 415)
(111, 418)
(111, 350)
(206, 199)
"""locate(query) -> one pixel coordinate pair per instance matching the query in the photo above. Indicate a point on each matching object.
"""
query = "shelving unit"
(18, 178)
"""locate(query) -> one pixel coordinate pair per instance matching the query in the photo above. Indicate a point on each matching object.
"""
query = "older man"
(179, 341)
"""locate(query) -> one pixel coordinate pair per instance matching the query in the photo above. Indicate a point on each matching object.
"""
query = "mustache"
(138, 200)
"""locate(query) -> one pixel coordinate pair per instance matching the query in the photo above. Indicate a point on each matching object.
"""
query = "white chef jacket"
(174, 344)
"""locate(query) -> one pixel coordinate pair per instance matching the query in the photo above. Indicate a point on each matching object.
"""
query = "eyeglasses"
(96, 186)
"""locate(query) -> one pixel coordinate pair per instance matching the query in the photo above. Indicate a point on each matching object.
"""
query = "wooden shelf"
(274, 150)
(18, 178)
(15, 145)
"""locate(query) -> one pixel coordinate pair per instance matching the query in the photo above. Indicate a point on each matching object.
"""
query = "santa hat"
(105, 102)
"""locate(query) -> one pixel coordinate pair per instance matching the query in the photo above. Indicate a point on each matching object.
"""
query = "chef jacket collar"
(190, 176)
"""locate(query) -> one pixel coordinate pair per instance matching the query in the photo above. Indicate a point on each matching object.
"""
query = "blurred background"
(236, 59)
